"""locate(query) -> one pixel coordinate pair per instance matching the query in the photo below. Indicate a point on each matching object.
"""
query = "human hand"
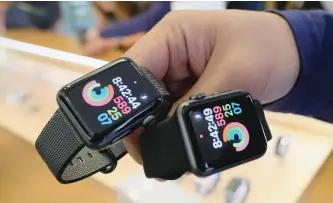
(93, 43)
(3, 9)
(93, 48)
(92, 35)
(215, 51)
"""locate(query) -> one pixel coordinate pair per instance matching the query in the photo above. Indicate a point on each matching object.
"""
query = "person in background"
(3, 9)
(119, 34)
(246, 5)
(124, 34)
(28, 14)
(109, 12)
(114, 43)
(76, 17)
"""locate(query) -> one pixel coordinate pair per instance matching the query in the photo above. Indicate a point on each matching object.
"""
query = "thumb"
(207, 83)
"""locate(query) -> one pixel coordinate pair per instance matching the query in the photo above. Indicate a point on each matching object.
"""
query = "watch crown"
(149, 121)
(197, 96)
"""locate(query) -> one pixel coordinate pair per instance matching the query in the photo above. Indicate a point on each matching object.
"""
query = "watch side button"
(197, 96)
(224, 92)
(149, 121)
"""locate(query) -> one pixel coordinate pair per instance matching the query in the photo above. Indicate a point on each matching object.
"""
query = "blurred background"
(82, 35)
(101, 27)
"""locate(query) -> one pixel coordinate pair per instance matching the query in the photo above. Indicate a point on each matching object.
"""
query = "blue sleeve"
(42, 15)
(142, 23)
(312, 94)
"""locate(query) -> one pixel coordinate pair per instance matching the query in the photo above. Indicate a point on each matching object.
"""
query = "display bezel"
(122, 130)
(191, 145)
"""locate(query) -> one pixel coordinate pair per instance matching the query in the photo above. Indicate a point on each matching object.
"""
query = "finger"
(154, 55)
(204, 84)
(144, 54)
(132, 146)
(179, 88)
(160, 180)
(163, 50)
(150, 53)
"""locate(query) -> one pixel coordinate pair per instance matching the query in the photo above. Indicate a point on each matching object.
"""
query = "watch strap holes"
(80, 159)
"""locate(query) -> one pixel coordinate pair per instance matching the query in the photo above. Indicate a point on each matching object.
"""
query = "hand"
(218, 51)
(2, 24)
(92, 35)
(93, 48)
(3, 9)
(94, 43)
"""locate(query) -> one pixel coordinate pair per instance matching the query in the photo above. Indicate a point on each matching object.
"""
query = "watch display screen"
(110, 97)
(225, 131)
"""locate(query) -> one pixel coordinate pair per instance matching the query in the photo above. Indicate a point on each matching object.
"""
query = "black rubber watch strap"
(163, 151)
(66, 155)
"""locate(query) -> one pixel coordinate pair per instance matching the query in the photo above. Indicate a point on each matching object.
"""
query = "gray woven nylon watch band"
(66, 155)
(152, 80)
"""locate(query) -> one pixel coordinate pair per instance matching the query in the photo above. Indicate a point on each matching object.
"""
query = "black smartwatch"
(96, 112)
(206, 135)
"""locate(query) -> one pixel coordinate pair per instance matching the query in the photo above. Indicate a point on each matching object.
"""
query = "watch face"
(105, 100)
(224, 130)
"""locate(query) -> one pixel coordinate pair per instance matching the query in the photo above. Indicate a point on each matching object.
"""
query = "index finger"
(153, 55)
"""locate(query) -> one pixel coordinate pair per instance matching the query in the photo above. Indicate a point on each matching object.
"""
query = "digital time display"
(225, 131)
(110, 97)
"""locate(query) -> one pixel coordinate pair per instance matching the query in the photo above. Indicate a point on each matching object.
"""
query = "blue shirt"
(312, 93)
(141, 23)
(32, 14)
(147, 20)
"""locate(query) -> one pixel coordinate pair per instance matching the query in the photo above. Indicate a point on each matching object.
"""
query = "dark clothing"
(39, 14)
(141, 23)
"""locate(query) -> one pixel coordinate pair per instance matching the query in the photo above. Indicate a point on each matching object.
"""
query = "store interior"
(44, 56)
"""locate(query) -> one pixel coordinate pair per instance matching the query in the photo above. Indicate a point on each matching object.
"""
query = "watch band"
(167, 100)
(164, 139)
(152, 80)
(66, 155)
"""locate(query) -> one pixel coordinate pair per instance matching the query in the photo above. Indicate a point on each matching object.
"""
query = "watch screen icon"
(197, 116)
(97, 98)
(237, 134)
(144, 97)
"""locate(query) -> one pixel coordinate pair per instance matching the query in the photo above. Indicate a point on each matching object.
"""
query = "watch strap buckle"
(112, 166)
(115, 152)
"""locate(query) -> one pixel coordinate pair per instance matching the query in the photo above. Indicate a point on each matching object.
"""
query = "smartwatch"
(206, 135)
(96, 112)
